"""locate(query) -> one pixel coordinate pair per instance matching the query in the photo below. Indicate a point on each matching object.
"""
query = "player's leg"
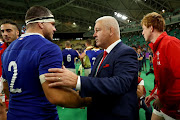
(157, 115)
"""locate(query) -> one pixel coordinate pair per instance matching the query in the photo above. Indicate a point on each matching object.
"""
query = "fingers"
(56, 84)
(53, 79)
(59, 84)
(55, 70)
(155, 105)
(146, 100)
(52, 75)
(147, 103)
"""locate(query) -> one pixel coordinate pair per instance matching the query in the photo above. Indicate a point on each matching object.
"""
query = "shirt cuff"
(78, 85)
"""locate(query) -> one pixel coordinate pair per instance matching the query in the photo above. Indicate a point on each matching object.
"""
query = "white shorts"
(163, 115)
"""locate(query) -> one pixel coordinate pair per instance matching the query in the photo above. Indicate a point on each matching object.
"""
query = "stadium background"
(75, 22)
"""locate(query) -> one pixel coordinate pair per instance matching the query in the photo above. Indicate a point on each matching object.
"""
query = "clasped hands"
(61, 77)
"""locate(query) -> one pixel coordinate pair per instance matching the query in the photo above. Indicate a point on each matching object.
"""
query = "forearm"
(139, 93)
(71, 99)
(82, 62)
(6, 89)
(63, 96)
(86, 101)
(140, 58)
(3, 115)
(82, 55)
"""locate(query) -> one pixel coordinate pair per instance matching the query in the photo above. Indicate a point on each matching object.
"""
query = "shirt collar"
(68, 48)
(28, 34)
(155, 45)
(108, 50)
(4, 45)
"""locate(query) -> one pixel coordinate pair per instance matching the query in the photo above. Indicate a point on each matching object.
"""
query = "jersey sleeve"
(3, 73)
(87, 52)
(173, 51)
(172, 93)
(51, 57)
(76, 53)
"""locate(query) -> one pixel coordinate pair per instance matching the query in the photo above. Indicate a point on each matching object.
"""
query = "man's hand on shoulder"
(61, 78)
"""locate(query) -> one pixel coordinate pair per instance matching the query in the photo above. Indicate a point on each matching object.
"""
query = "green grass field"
(80, 114)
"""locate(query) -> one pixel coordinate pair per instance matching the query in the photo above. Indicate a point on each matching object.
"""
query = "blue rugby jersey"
(23, 62)
(92, 54)
(68, 57)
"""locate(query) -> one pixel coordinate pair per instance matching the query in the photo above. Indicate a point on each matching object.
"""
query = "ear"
(111, 31)
(152, 29)
(17, 32)
(40, 25)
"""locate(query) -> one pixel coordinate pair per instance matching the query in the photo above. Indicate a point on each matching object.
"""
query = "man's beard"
(48, 37)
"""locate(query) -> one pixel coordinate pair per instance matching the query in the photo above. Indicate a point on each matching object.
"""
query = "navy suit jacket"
(113, 89)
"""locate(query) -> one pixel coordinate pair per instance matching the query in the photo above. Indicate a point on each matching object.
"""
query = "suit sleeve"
(118, 79)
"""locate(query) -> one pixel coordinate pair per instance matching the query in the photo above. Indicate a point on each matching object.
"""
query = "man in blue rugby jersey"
(69, 56)
(9, 32)
(92, 54)
(26, 61)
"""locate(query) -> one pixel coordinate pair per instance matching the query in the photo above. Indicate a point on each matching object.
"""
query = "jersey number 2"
(15, 73)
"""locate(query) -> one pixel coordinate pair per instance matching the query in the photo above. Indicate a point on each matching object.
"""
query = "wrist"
(76, 79)
(86, 101)
(78, 83)
(142, 97)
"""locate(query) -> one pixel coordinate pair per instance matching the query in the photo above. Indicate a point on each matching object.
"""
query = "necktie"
(104, 56)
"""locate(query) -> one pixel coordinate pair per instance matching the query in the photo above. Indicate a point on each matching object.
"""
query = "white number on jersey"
(69, 58)
(14, 65)
(93, 59)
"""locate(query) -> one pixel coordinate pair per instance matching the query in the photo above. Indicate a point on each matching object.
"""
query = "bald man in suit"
(112, 83)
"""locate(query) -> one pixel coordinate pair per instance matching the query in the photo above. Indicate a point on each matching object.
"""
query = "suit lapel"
(109, 57)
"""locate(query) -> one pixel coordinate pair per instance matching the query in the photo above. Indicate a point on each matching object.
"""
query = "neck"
(34, 30)
(114, 39)
(8, 43)
(155, 36)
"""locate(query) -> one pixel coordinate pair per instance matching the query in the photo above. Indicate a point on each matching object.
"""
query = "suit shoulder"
(123, 47)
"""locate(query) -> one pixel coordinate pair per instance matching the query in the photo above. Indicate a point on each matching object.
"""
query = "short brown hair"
(9, 21)
(88, 41)
(155, 20)
(37, 11)
(68, 43)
